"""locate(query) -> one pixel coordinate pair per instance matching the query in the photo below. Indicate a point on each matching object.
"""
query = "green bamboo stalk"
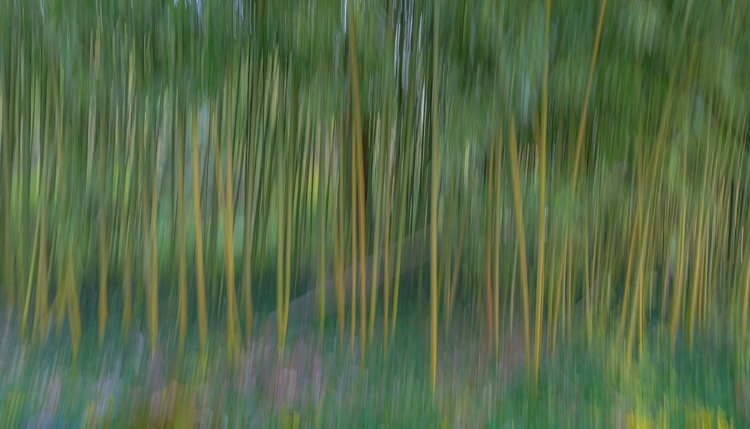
(320, 210)
(251, 219)
(387, 238)
(153, 280)
(338, 244)
(73, 311)
(399, 246)
(103, 244)
(30, 279)
(496, 240)
(233, 321)
(199, 272)
(434, 203)
(540, 285)
(280, 244)
(287, 259)
(7, 226)
(182, 311)
(488, 260)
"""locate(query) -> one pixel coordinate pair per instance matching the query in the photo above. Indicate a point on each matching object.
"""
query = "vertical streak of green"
(434, 201)
(320, 212)
(376, 242)
(199, 271)
(7, 154)
(182, 311)
(250, 214)
(540, 285)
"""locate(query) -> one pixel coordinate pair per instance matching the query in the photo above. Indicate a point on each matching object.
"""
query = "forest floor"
(324, 385)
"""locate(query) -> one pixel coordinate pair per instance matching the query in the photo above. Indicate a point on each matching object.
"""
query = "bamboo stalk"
(280, 244)
(677, 300)
(103, 271)
(488, 288)
(249, 229)
(320, 211)
(232, 316)
(521, 240)
(7, 159)
(30, 278)
(73, 312)
(589, 84)
(287, 264)
(540, 285)
(339, 262)
(376, 243)
(153, 299)
(199, 272)
(399, 254)
(496, 240)
(182, 311)
(434, 202)
(387, 238)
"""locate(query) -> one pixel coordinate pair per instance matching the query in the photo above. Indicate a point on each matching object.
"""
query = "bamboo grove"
(160, 160)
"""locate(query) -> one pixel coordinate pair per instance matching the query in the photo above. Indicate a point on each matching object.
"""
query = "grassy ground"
(325, 385)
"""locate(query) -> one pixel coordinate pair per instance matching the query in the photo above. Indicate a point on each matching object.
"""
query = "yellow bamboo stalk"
(584, 110)
(677, 304)
(153, 278)
(103, 247)
(631, 256)
(589, 84)
(216, 213)
(354, 250)
(376, 244)
(521, 240)
(697, 283)
(358, 181)
(638, 293)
